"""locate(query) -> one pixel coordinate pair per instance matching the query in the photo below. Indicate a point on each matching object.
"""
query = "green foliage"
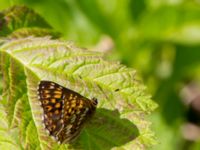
(25, 60)
(19, 21)
(159, 38)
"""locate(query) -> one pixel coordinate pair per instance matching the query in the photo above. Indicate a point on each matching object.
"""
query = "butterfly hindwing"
(65, 111)
(76, 110)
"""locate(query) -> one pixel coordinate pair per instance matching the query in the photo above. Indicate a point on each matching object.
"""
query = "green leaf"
(8, 137)
(123, 102)
(35, 31)
(23, 22)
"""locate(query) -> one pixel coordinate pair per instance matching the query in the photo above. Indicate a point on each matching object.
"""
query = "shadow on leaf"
(105, 131)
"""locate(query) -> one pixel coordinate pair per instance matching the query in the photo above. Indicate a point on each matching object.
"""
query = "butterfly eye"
(65, 111)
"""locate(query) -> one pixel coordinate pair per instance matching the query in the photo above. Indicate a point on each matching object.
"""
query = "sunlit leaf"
(123, 103)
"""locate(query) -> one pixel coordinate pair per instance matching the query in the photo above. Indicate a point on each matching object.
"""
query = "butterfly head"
(94, 101)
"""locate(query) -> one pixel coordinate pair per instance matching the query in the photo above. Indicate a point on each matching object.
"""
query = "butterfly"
(65, 111)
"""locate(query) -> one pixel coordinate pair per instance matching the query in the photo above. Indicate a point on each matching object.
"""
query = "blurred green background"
(159, 38)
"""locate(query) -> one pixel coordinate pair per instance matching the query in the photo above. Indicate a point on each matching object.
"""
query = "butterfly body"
(65, 111)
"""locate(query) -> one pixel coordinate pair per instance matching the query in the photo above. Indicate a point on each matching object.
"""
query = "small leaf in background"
(22, 21)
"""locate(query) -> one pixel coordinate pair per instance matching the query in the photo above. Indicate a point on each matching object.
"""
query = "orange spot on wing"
(53, 127)
(47, 95)
(56, 112)
(57, 96)
(69, 110)
(46, 91)
(59, 88)
(53, 100)
(61, 121)
(57, 105)
(80, 105)
(73, 101)
(58, 92)
(81, 102)
(73, 105)
(48, 108)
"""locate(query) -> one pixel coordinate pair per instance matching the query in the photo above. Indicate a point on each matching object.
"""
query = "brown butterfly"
(65, 111)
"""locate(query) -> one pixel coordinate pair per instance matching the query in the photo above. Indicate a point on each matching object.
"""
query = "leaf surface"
(123, 103)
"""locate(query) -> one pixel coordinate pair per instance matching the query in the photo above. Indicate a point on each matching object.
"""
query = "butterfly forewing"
(65, 111)
(50, 95)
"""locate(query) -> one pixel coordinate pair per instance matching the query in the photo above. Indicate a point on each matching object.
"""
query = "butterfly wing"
(77, 109)
(65, 111)
(50, 95)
